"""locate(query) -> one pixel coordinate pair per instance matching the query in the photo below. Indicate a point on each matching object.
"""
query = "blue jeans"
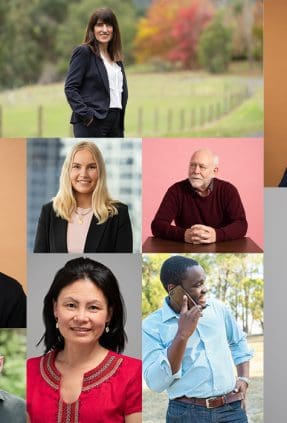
(180, 412)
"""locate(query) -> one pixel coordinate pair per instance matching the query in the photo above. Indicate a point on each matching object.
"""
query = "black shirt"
(12, 303)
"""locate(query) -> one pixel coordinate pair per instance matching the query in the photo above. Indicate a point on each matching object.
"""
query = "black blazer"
(113, 236)
(283, 182)
(12, 303)
(87, 86)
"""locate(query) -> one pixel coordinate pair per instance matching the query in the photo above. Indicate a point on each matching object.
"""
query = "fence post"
(210, 114)
(156, 119)
(40, 121)
(169, 120)
(226, 105)
(231, 102)
(1, 121)
(181, 120)
(192, 119)
(140, 120)
(202, 116)
(218, 110)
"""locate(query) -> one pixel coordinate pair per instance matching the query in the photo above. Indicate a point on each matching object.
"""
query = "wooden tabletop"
(158, 245)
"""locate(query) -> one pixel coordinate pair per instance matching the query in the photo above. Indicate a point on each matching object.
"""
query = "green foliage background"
(38, 36)
(13, 348)
(235, 279)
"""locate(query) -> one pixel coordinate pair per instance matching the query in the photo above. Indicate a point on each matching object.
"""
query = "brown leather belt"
(213, 402)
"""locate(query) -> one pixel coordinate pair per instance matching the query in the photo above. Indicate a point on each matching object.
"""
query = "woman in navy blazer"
(83, 217)
(96, 86)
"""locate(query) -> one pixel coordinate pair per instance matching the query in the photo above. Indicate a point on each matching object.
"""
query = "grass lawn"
(160, 104)
(155, 405)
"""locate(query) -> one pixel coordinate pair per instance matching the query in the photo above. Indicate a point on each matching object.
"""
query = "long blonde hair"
(64, 203)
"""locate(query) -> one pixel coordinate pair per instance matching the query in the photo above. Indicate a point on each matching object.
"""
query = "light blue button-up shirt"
(212, 350)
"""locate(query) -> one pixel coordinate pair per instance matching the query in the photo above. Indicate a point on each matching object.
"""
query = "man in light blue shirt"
(190, 350)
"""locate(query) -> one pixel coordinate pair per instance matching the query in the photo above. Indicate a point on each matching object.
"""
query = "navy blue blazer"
(87, 86)
(114, 235)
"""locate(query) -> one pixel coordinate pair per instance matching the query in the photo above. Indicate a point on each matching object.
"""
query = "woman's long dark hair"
(107, 16)
(104, 279)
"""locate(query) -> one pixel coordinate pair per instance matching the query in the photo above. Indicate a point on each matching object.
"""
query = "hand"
(201, 234)
(90, 121)
(188, 319)
(241, 386)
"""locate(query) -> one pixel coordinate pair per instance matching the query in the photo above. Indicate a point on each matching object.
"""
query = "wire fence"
(158, 120)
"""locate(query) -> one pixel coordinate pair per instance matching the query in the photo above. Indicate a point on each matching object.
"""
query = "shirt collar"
(208, 190)
(168, 313)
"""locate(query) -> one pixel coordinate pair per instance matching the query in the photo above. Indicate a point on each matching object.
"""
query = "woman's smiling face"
(82, 312)
(103, 32)
(84, 172)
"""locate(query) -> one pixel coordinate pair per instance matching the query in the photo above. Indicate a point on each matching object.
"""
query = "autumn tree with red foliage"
(171, 30)
(186, 32)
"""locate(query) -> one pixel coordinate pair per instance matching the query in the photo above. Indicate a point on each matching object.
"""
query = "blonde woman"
(82, 217)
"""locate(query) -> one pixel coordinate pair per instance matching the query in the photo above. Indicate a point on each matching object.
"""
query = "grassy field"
(155, 405)
(160, 104)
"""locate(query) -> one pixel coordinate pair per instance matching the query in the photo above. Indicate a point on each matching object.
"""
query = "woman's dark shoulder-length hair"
(107, 16)
(103, 278)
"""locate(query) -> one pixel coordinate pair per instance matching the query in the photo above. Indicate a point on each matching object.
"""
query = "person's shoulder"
(8, 282)
(128, 360)
(129, 365)
(34, 362)
(222, 184)
(83, 50)
(48, 209)
(121, 207)
(47, 206)
(154, 318)
(215, 302)
(182, 185)
(12, 399)
(218, 305)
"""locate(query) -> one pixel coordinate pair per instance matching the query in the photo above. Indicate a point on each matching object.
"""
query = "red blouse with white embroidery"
(109, 392)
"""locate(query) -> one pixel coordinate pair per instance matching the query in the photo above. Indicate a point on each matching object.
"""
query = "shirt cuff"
(165, 365)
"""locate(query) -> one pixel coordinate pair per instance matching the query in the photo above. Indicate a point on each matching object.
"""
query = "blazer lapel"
(94, 236)
(60, 235)
(103, 72)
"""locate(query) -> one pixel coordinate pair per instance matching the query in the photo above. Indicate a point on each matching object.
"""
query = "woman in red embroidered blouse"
(82, 378)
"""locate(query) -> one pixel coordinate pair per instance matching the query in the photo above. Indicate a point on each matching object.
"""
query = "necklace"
(81, 214)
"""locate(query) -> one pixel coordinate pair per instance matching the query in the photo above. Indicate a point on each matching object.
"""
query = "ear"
(55, 308)
(170, 286)
(110, 315)
(215, 170)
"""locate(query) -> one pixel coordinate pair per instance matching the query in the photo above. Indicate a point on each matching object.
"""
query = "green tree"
(27, 39)
(215, 46)
(13, 348)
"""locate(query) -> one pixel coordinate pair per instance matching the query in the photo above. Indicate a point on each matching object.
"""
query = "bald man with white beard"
(204, 209)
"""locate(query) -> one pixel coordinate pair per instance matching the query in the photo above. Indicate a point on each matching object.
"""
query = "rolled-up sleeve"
(156, 367)
(237, 340)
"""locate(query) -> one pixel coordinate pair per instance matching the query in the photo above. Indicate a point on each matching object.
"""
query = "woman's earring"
(57, 325)
(107, 329)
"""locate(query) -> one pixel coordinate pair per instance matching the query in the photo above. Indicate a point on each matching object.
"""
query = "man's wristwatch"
(244, 379)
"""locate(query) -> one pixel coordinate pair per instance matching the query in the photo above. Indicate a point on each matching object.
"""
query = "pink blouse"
(109, 392)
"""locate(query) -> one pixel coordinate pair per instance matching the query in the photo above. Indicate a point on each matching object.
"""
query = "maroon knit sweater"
(222, 209)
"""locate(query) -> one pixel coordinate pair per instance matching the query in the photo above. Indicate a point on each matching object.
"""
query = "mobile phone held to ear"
(176, 298)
